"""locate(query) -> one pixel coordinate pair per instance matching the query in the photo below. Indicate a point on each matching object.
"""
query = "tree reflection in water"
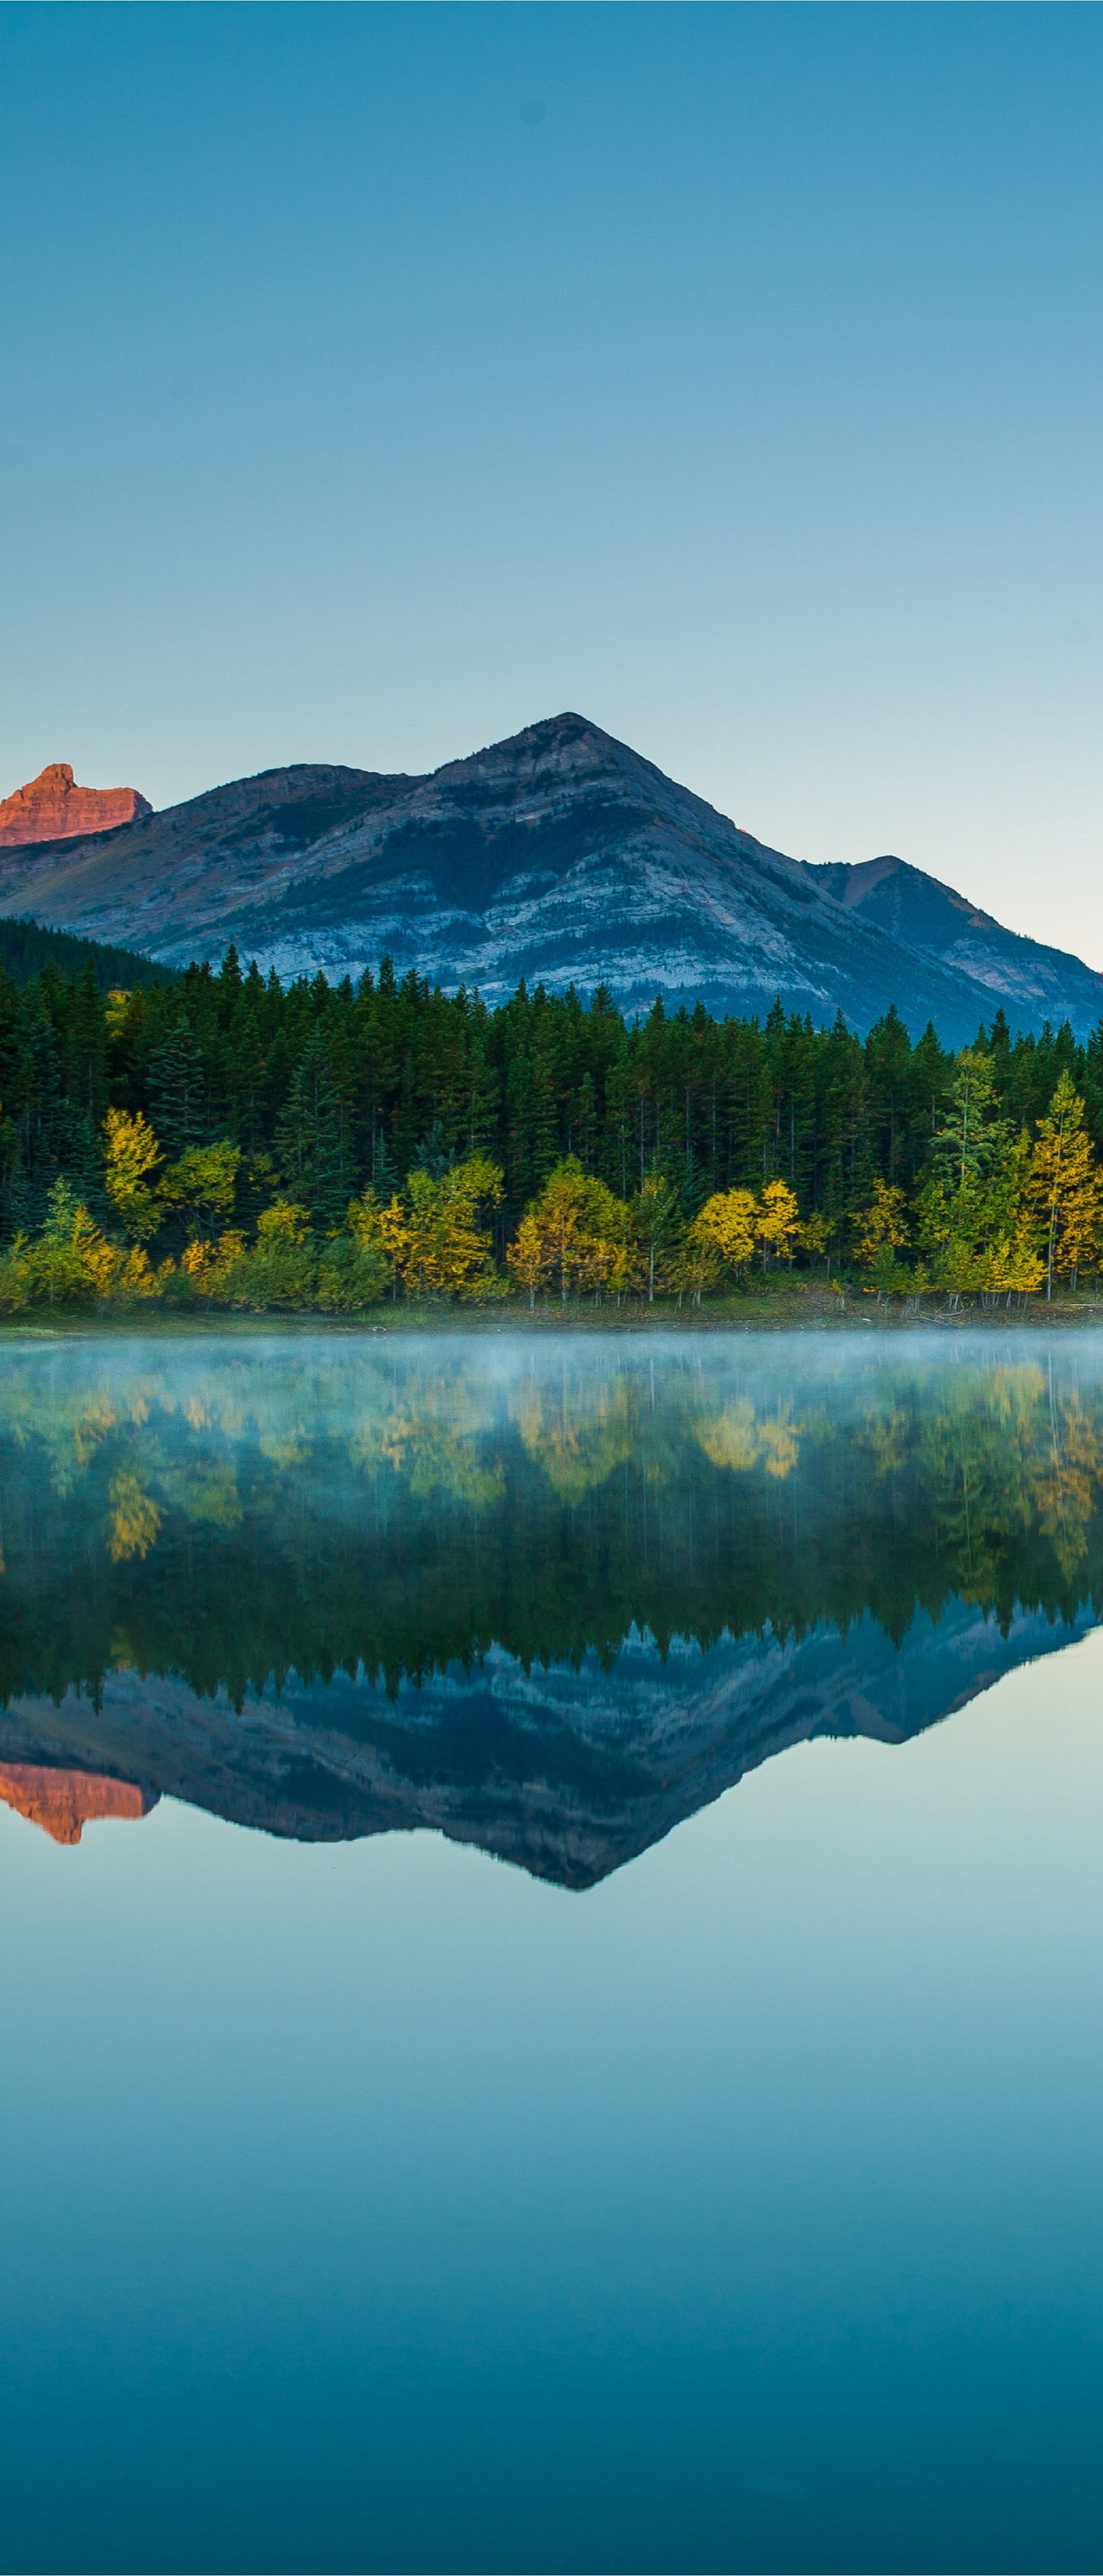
(476, 1556)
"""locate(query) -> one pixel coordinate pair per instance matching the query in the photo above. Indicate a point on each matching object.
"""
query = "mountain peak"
(565, 745)
(53, 808)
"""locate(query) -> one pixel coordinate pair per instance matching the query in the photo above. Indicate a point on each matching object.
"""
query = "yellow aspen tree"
(578, 1232)
(777, 1221)
(1012, 1265)
(881, 1232)
(559, 1216)
(527, 1257)
(209, 1266)
(436, 1237)
(132, 1153)
(1064, 1188)
(469, 1191)
(726, 1226)
(133, 1275)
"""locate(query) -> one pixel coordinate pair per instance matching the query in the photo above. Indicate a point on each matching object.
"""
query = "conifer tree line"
(219, 1136)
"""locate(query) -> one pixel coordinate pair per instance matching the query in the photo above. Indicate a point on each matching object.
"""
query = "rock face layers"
(53, 808)
(63, 1802)
(560, 856)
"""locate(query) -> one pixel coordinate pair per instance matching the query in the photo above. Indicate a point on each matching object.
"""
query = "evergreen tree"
(174, 1089)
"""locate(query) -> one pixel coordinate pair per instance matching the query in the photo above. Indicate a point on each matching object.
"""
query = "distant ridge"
(931, 919)
(559, 856)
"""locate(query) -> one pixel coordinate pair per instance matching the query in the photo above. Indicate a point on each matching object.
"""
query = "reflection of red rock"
(62, 1801)
(52, 809)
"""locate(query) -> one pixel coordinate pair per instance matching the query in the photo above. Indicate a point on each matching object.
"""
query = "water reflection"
(63, 1802)
(548, 1596)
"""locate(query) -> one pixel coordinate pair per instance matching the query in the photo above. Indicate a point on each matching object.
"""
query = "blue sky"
(380, 379)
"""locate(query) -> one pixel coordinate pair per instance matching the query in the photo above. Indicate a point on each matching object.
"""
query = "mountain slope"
(1030, 980)
(559, 855)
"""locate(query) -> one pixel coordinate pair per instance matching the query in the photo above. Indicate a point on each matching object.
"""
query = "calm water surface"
(552, 1909)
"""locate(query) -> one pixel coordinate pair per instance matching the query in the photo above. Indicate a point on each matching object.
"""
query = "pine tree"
(311, 1139)
(175, 1089)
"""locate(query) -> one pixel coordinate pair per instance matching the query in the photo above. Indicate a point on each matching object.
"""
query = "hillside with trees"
(218, 1139)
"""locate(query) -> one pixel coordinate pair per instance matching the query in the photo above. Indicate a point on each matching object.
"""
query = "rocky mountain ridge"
(559, 856)
(1022, 976)
(53, 808)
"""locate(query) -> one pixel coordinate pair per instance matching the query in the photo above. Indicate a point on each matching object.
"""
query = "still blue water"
(727, 2200)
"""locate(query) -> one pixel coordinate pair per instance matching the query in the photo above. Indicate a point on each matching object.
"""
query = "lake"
(554, 1930)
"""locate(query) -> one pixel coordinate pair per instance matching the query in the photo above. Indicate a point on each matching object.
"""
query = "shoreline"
(797, 1311)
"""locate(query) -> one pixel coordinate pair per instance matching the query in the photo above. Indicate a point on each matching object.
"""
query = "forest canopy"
(218, 1138)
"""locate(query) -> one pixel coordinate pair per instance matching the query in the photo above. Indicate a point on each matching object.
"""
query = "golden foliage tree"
(132, 1153)
(725, 1227)
(696, 1266)
(436, 1234)
(70, 1261)
(526, 1256)
(777, 1221)
(576, 1233)
(1064, 1189)
(880, 1234)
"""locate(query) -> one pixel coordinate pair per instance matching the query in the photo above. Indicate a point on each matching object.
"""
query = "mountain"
(561, 856)
(1030, 982)
(53, 808)
(568, 1770)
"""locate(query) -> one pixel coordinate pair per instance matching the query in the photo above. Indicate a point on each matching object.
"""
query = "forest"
(214, 1138)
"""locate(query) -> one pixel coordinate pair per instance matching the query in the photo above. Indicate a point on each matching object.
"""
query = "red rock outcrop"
(63, 1801)
(53, 809)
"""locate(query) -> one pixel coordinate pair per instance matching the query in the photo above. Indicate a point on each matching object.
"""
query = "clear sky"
(379, 379)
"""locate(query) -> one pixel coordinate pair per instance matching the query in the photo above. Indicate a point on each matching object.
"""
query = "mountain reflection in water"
(547, 1595)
